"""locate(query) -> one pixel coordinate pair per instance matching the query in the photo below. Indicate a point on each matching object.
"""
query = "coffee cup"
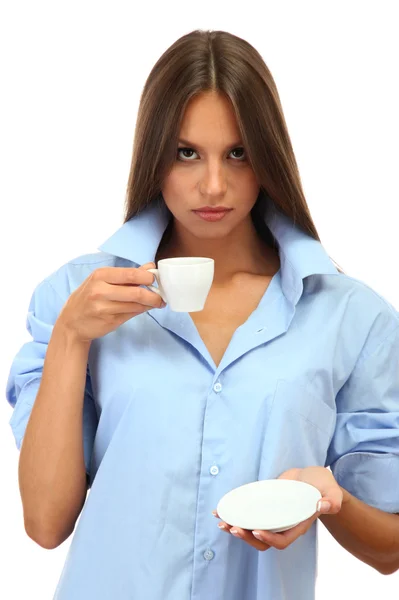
(184, 282)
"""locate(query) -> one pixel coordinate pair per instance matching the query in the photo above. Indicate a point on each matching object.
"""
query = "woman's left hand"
(330, 503)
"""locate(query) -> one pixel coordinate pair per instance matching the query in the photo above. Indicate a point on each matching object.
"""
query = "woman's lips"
(211, 215)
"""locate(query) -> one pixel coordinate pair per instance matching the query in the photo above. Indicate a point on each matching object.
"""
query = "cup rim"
(175, 261)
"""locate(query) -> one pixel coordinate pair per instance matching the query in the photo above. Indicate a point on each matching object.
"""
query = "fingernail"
(163, 304)
(214, 513)
(235, 532)
(221, 526)
(323, 506)
(257, 535)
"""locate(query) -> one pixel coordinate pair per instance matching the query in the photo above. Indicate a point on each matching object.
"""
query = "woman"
(291, 367)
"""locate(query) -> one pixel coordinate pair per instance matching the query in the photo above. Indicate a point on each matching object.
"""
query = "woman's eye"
(190, 150)
(184, 150)
(239, 148)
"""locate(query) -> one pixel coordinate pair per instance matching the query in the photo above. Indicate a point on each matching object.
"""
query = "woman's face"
(213, 170)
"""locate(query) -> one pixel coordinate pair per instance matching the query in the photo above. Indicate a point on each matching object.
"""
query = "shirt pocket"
(300, 428)
(303, 401)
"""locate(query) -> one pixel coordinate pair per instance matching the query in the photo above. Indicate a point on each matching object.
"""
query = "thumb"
(331, 502)
(149, 265)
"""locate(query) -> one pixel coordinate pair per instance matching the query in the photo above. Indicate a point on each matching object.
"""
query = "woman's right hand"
(106, 299)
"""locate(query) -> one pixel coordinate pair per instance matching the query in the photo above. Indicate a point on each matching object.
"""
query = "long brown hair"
(216, 61)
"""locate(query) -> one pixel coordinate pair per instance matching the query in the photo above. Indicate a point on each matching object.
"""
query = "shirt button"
(214, 470)
(217, 387)
(208, 554)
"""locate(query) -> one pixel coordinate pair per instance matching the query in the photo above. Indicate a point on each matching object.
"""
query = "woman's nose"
(214, 179)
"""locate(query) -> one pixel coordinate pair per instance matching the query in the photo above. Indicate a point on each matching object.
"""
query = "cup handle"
(159, 289)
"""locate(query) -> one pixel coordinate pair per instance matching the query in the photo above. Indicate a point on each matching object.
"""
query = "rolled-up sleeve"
(364, 450)
(27, 367)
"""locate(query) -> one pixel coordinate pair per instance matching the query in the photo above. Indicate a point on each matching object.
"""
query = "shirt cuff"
(23, 408)
(371, 477)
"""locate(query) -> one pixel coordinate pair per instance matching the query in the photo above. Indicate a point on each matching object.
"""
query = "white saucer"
(272, 504)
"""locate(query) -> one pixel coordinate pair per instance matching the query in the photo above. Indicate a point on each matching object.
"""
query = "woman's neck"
(241, 252)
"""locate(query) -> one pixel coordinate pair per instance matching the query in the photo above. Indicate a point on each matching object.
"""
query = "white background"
(72, 73)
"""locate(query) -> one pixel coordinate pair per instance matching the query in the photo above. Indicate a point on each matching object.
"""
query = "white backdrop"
(72, 74)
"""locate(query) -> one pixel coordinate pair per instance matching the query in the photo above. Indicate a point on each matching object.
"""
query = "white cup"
(184, 282)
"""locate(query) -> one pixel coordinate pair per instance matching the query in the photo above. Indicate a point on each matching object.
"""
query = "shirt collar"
(300, 254)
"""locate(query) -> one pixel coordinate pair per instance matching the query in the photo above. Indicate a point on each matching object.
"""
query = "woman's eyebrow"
(193, 145)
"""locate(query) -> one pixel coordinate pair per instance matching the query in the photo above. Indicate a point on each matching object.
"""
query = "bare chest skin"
(226, 309)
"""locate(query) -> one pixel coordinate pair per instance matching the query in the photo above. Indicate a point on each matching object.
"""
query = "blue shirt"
(311, 378)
